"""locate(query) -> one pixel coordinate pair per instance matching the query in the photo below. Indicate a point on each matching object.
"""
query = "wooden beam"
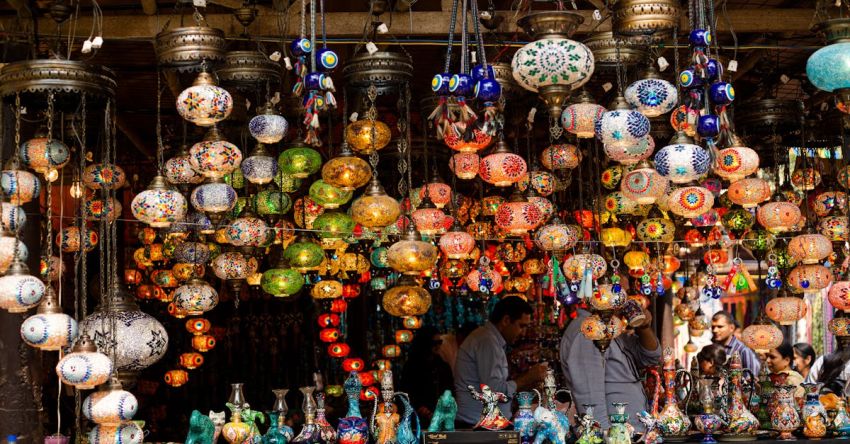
(148, 7)
(22, 7)
(428, 23)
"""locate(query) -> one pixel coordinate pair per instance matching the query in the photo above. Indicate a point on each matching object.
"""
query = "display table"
(471, 437)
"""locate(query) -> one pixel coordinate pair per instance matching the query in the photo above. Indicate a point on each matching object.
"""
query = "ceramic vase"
(813, 413)
(353, 428)
(524, 417)
(742, 422)
(674, 424)
(619, 432)
(279, 432)
(841, 422)
(784, 417)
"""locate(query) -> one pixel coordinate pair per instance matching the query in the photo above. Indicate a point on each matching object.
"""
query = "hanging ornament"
(652, 95)
(204, 103)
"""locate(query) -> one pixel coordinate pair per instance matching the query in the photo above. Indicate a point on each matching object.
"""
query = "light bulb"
(52, 175)
(76, 189)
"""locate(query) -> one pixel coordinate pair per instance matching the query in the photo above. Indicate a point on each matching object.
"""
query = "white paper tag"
(247, 104)
(276, 99)
(663, 64)
(353, 117)
(597, 15)
(200, 3)
(733, 66)
(287, 63)
(275, 57)
(97, 42)
(485, 15)
(784, 79)
(607, 86)
(371, 48)
(23, 110)
(382, 28)
(473, 57)
(86, 47)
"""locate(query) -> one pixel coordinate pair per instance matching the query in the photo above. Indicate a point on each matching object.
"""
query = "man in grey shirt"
(482, 360)
(598, 380)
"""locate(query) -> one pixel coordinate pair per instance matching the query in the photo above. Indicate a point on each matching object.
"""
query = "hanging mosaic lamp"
(465, 165)
(806, 179)
(411, 255)
(19, 290)
(622, 128)
(299, 160)
(375, 209)
(644, 184)
(406, 298)
(104, 176)
(18, 185)
(159, 206)
(839, 296)
(214, 157)
(762, 336)
(366, 136)
(438, 191)
(682, 161)
(272, 203)
(736, 162)
(469, 143)
(575, 265)
(778, 215)
(204, 103)
(304, 254)
(810, 248)
(346, 171)
(561, 156)
(178, 169)
(195, 297)
(557, 236)
(518, 216)
(259, 168)
(329, 196)
(810, 278)
(656, 228)
(233, 266)
(502, 168)
(333, 225)
(43, 154)
(759, 242)
(748, 193)
(214, 197)
(49, 329)
(785, 309)
(829, 67)
(326, 289)
(580, 118)
(12, 217)
(428, 219)
(652, 95)
(84, 367)
(282, 281)
(127, 432)
(267, 126)
(457, 243)
(690, 201)
(110, 406)
(247, 231)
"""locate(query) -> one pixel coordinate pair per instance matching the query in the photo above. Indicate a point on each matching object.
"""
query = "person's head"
(711, 358)
(723, 326)
(780, 358)
(426, 342)
(512, 316)
(804, 357)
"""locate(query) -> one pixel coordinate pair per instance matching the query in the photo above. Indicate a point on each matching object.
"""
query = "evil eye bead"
(314, 81)
(722, 93)
(440, 83)
(488, 90)
(301, 47)
(460, 85)
(689, 79)
(700, 37)
(708, 125)
(478, 72)
(713, 69)
(326, 59)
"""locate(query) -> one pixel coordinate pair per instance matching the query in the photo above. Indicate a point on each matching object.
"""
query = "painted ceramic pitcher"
(813, 414)
(708, 422)
(619, 432)
(353, 428)
(672, 421)
(741, 421)
(524, 417)
(784, 417)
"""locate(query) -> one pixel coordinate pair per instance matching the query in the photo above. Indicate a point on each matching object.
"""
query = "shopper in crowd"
(426, 375)
(482, 360)
(712, 358)
(723, 326)
(804, 357)
(599, 379)
(833, 370)
(780, 361)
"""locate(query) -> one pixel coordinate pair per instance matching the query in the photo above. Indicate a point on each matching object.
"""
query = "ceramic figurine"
(524, 417)
(550, 391)
(618, 433)
(841, 422)
(407, 432)
(327, 430)
(235, 431)
(651, 434)
(278, 432)
(783, 417)
(353, 428)
(550, 427)
(387, 423)
(201, 429)
(444, 414)
(250, 417)
(741, 422)
(311, 433)
(218, 419)
(491, 415)
(589, 429)
(674, 423)
(813, 414)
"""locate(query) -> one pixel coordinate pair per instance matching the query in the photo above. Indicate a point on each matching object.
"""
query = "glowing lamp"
(204, 103)
(762, 337)
(690, 201)
(176, 378)
(502, 168)
(810, 248)
(191, 360)
(457, 244)
(786, 310)
(375, 209)
(562, 156)
(465, 165)
(339, 350)
(366, 136)
(203, 343)
(406, 298)
(411, 255)
(736, 162)
(517, 215)
(353, 365)
(299, 160)
(779, 216)
(643, 185)
(84, 368)
(477, 141)
(748, 193)
(809, 278)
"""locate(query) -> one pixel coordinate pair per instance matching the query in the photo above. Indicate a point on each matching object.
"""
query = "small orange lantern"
(350, 291)
(403, 336)
(191, 360)
(391, 351)
(353, 365)
(203, 343)
(198, 326)
(339, 350)
(176, 378)
(367, 378)
(383, 365)
(176, 312)
(329, 335)
(339, 306)
(132, 276)
(411, 322)
(369, 393)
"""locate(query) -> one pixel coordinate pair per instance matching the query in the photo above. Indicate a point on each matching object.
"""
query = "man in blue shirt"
(723, 326)
(482, 360)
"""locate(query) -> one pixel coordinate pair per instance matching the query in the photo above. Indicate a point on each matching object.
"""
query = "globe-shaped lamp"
(259, 168)
(736, 162)
(502, 168)
(621, 127)
(43, 154)
(580, 118)
(375, 209)
(366, 136)
(299, 160)
(810, 248)
(518, 215)
(643, 185)
(748, 193)
(195, 297)
(652, 95)
(329, 196)
(19, 290)
(159, 206)
(84, 367)
(682, 162)
(411, 255)
(561, 156)
(406, 298)
(762, 337)
(204, 103)
(49, 329)
(690, 201)
(267, 126)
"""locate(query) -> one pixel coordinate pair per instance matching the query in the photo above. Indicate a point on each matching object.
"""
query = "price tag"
(371, 48)
(733, 66)
(275, 57)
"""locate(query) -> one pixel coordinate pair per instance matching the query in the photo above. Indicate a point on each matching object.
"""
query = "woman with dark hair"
(804, 357)
(426, 375)
(779, 361)
(833, 370)
(711, 359)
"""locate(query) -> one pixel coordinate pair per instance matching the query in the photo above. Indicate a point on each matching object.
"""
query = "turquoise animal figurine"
(353, 428)
(201, 429)
(549, 427)
(251, 417)
(443, 419)
(408, 432)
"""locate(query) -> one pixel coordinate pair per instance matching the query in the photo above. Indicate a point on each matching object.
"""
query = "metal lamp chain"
(159, 145)
(404, 182)
(372, 114)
